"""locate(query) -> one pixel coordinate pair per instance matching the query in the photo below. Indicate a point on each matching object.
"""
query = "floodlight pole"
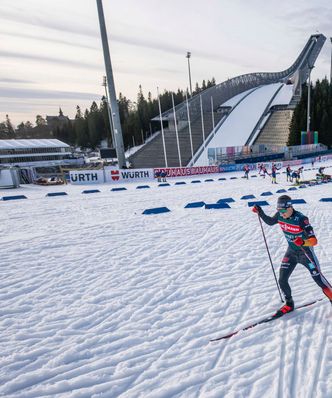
(188, 57)
(109, 110)
(111, 89)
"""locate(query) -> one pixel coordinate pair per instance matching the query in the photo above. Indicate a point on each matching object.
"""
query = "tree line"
(91, 126)
(320, 112)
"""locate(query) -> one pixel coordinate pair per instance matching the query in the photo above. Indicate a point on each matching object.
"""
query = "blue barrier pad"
(209, 180)
(15, 197)
(233, 178)
(119, 189)
(267, 193)
(195, 181)
(226, 200)
(302, 186)
(325, 200)
(281, 190)
(298, 201)
(194, 205)
(248, 197)
(180, 183)
(253, 176)
(91, 191)
(142, 186)
(56, 194)
(222, 179)
(156, 210)
(221, 205)
(259, 203)
(165, 184)
(292, 189)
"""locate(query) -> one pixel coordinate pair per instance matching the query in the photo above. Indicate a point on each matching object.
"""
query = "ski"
(270, 318)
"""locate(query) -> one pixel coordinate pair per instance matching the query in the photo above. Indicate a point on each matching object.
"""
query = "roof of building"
(21, 144)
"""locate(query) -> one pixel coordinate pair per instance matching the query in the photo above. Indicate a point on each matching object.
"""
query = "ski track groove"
(281, 364)
(293, 387)
(312, 389)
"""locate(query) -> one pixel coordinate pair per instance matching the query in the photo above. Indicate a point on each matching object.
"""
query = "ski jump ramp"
(238, 107)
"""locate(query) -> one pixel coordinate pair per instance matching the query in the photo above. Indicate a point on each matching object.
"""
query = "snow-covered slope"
(98, 300)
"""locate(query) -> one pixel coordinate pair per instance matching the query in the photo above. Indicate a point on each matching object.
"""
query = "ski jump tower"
(209, 110)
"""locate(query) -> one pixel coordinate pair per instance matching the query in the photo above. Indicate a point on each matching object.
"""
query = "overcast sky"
(51, 53)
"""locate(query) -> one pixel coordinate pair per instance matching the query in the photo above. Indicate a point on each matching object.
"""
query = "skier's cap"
(284, 202)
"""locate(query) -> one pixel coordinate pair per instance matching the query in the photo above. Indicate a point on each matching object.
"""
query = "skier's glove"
(257, 209)
(298, 241)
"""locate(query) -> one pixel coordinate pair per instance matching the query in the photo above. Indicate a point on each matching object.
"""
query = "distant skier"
(157, 175)
(289, 173)
(246, 170)
(264, 171)
(163, 175)
(301, 239)
(274, 173)
(296, 176)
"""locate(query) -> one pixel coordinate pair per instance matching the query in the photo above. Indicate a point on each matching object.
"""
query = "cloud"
(51, 40)
(8, 80)
(62, 61)
(14, 92)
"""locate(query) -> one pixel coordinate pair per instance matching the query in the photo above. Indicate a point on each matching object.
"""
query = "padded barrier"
(221, 205)
(119, 189)
(195, 181)
(156, 210)
(180, 183)
(298, 201)
(302, 186)
(222, 179)
(165, 184)
(233, 178)
(292, 189)
(267, 193)
(248, 197)
(325, 200)
(91, 191)
(259, 203)
(15, 197)
(209, 180)
(281, 190)
(226, 200)
(142, 186)
(193, 205)
(56, 194)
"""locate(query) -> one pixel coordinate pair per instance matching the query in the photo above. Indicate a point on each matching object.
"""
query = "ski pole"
(268, 252)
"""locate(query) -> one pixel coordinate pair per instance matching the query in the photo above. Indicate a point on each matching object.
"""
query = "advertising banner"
(115, 175)
(188, 171)
(84, 177)
(236, 167)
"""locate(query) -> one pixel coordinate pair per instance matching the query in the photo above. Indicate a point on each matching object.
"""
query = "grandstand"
(250, 109)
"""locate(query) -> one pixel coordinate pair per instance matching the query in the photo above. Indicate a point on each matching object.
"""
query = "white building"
(35, 152)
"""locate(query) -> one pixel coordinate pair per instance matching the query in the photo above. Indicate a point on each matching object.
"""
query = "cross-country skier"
(289, 173)
(274, 173)
(301, 239)
(246, 170)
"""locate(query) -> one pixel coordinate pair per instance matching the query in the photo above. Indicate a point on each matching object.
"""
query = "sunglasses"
(282, 211)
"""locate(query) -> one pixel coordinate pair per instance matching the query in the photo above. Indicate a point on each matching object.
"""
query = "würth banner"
(121, 175)
(188, 171)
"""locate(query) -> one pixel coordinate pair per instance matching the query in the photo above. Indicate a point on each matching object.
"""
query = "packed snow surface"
(98, 300)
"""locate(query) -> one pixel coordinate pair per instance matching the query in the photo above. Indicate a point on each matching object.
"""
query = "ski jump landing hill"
(250, 109)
